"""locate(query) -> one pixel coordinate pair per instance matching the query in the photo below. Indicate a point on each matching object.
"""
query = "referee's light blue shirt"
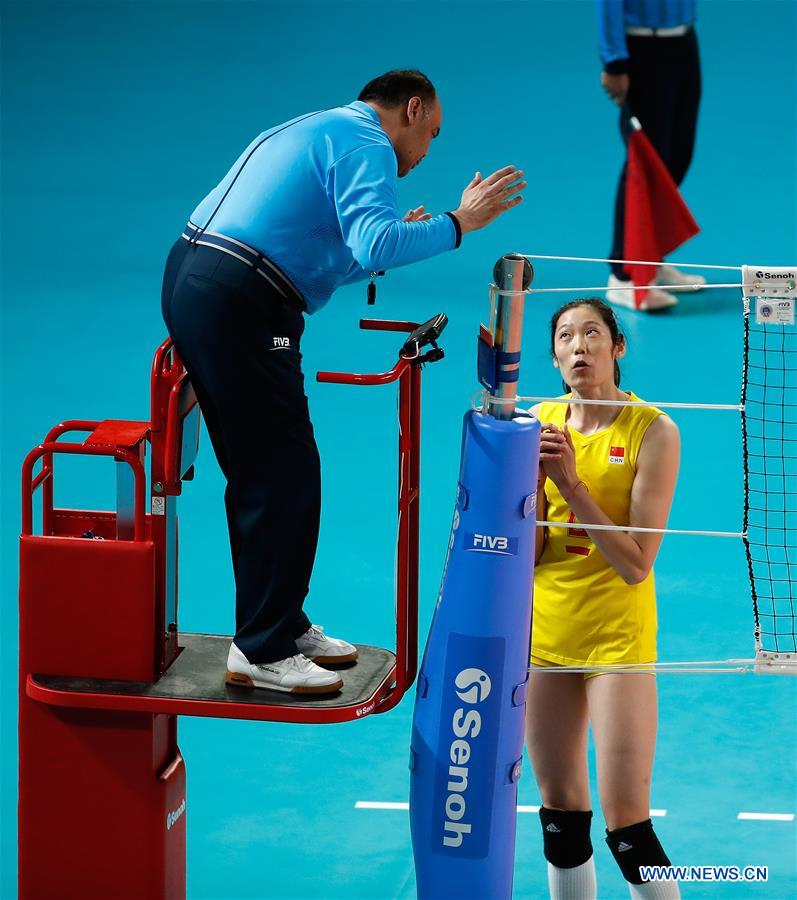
(614, 16)
(319, 199)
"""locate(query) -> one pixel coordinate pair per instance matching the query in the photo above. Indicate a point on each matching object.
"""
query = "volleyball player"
(595, 605)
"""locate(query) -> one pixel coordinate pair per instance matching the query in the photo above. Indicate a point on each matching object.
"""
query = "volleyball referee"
(309, 206)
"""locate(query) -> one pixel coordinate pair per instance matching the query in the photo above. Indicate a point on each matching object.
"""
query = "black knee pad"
(565, 837)
(635, 846)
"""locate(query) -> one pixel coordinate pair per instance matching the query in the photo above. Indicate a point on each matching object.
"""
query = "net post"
(513, 274)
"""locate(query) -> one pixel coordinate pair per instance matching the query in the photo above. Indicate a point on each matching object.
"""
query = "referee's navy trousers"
(240, 344)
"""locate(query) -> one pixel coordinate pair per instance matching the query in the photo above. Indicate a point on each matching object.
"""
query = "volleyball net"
(769, 432)
(768, 410)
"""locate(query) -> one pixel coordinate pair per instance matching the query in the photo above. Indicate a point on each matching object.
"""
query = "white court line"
(372, 804)
(654, 813)
(376, 804)
(766, 817)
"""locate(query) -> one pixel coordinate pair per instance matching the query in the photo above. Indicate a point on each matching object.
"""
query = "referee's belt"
(253, 258)
(676, 31)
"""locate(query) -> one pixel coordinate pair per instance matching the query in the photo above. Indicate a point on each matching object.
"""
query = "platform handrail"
(378, 377)
(167, 369)
(46, 475)
(388, 325)
(407, 372)
(173, 418)
(375, 378)
(70, 425)
(48, 448)
(160, 369)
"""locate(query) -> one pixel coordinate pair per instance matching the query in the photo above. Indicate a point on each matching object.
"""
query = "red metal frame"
(92, 611)
(88, 609)
(171, 399)
(408, 376)
(170, 404)
(50, 447)
(46, 475)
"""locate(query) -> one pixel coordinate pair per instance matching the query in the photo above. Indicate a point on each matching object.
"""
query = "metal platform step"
(194, 685)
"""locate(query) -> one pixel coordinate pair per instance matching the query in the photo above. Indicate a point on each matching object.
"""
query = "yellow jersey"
(584, 613)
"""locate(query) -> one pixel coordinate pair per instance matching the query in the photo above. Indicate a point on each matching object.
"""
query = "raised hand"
(485, 199)
(557, 457)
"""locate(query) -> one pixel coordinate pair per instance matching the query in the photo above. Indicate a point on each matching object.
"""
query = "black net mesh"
(769, 422)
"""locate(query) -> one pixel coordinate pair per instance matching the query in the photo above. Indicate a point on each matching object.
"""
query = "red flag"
(657, 220)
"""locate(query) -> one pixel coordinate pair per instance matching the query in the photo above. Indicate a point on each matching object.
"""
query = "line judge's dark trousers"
(664, 94)
(223, 318)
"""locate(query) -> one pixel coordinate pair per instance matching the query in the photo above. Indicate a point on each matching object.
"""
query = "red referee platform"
(104, 670)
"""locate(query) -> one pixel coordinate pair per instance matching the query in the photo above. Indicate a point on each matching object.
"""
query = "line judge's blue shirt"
(614, 16)
(318, 198)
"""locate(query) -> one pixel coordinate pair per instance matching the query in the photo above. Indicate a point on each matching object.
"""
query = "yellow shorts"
(540, 663)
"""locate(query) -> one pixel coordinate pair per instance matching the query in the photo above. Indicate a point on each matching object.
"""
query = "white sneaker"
(315, 645)
(677, 280)
(294, 675)
(621, 294)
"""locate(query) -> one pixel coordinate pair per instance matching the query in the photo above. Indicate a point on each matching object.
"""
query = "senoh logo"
(172, 817)
(473, 685)
(774, 275)
(467, 746)
(491, 543)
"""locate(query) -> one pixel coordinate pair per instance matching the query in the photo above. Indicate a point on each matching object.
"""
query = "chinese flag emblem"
(617, 455)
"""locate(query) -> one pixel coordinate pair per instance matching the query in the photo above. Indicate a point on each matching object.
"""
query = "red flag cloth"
(657, 220)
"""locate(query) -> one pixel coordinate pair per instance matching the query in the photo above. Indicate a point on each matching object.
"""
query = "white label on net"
(774, 312)
(769, 281)
(158, 506)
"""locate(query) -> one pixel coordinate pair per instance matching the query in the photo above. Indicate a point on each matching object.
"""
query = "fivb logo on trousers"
(467, 746)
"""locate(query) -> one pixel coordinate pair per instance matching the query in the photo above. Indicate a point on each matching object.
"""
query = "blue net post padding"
(467, 737)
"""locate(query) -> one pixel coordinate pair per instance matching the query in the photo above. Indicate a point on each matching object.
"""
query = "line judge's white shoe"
(324, 650)
(620, 293)
(677, 280)
(294, 675)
